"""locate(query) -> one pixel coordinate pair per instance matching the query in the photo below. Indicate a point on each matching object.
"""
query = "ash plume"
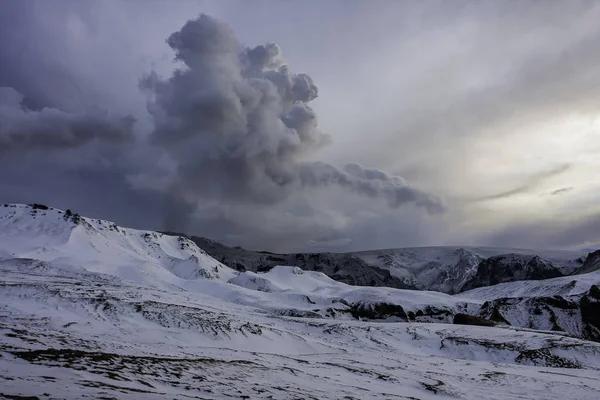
(238, 124)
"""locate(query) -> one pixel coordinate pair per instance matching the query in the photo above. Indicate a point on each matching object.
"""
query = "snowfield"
(89, 309)
(563, 286)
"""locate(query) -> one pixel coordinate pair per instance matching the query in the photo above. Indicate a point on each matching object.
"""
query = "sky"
(309, 126)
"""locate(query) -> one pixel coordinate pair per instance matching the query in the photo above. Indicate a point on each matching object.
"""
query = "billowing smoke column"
(238, 124)
(22, 129)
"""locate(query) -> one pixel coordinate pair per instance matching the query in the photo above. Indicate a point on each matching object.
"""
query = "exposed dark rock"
(37, 206)
(545, 357)
(465, 319)
(590, 314)
(592, 263)
(557, 302)
(378, 311)
(509, 268)
(497, 316)
(17, 397)
(577, 315)
(435, 312)
(595, 292)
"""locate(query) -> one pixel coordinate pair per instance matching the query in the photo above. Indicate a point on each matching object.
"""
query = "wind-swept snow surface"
(81, 334)
(90, 309)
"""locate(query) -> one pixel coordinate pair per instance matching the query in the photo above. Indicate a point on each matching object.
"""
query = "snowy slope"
(88, 308)
(563, 286)
(567, 304)
(175, 263)
(311, 291)
(74, 243)
(102, 246)
(71, 336)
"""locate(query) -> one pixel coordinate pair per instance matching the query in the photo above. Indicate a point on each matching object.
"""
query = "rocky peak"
(591, 263)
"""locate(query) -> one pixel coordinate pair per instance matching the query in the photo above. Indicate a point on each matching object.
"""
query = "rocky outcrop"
(577, 315)
(347, 268)
(466, 319)
(441, 269)
(510, 268)
(378, 311)
(451, 280)
(590, 314)
(592, 263)
(395, 312)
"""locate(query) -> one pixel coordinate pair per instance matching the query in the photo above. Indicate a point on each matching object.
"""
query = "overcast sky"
(368, 124)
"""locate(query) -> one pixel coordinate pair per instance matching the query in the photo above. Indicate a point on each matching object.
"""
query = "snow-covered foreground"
(92, 310)
(93, 336)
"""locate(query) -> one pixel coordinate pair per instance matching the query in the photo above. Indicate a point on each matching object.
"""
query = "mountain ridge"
(67, 242)
(445, 269)
(439, 268)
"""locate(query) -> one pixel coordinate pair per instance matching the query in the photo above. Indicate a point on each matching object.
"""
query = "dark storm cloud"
(369, 182)
(231, 130)
(238, 124)
(22, 129)
(227, 147)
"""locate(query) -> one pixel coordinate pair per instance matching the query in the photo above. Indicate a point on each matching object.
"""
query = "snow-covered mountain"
(448, 269)
(68, 242)
(91, 309)
(568, 304)
(444, 269)
(342, 267)
(148, 258)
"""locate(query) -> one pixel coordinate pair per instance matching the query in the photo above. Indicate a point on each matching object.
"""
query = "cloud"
(561, 190)
(238, 124)
(22, 129)
(557, 234)
(228, 138)
(478, 92)
(531, 183)
(464, 102)
(369, 182)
